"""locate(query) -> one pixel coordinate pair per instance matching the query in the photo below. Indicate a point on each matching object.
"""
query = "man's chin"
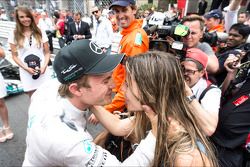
(106, 102)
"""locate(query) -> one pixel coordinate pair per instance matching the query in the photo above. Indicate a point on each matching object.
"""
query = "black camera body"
(159, 27)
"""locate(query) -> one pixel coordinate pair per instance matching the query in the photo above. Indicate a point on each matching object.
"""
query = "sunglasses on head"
(95, 12)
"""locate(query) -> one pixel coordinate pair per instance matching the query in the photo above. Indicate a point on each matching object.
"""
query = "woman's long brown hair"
(161, 86)
(18, 33)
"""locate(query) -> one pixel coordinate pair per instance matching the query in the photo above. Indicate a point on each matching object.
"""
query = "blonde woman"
(30, 50)
(154, 80)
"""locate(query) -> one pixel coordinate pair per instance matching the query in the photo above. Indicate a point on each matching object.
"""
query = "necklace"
(29, 36)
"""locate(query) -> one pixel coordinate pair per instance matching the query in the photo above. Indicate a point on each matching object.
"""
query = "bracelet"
(190, 98)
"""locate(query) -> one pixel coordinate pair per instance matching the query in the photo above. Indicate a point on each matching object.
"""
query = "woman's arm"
(18, 61)
(47, 57)
(231, 65)
(2, 54)
(191, 159)
(116, 126)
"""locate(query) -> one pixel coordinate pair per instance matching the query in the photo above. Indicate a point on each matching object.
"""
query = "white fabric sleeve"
(110, 31)
(86, 153)
(211, 101)
(44, 36)
(231, 18)
(11, 37)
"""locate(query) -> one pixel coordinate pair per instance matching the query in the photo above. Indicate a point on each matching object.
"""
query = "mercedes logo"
(95, 48)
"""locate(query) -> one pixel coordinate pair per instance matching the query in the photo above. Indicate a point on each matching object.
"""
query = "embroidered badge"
(138, 39)
(88, 148)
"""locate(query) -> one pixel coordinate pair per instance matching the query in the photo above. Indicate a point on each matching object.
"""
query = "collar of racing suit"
(137, 23)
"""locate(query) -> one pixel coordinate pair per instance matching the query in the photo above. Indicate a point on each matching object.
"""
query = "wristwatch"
(190, 98)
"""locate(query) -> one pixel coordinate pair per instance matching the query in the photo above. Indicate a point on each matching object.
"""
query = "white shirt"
(78, 26)
(103, 32)
(57, 135)
(211, 100)
(45, 24)
(28, 83)
(231, 17)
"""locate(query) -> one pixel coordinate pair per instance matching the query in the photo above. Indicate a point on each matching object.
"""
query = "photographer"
(213, 21)
(237, 38)
(45, 23)
(204, 95)
(232, 134)
(196, 27)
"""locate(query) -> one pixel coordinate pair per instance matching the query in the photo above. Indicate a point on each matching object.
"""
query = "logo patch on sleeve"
(87, 146)
(138, 39)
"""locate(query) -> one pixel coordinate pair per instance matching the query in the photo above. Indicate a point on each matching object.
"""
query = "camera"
(162, 32)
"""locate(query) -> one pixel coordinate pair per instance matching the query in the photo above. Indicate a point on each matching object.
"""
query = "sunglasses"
(94, 12)
(188, 71)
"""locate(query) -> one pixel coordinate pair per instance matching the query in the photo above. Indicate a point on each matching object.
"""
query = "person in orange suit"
(134, 41)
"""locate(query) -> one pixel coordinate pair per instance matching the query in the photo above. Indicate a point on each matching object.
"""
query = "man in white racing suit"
(56, 133)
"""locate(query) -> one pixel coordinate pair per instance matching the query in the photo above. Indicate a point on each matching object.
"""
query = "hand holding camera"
(232, 63)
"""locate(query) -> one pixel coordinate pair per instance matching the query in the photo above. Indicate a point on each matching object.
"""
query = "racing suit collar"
(137, 23)
(71, 112)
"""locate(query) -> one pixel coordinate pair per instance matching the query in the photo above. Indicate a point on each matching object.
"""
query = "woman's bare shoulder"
(194, 158)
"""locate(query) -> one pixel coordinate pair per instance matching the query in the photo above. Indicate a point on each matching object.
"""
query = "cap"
(123, 3)
(199, 56)
(216, 13)
(83, 57)
(33, 61)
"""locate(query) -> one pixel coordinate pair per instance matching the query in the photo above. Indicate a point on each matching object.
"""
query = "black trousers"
(50, 36)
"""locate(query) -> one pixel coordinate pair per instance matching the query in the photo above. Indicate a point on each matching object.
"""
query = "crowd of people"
(188, 111)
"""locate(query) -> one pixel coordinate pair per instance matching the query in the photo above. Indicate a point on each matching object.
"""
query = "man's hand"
(232, 63)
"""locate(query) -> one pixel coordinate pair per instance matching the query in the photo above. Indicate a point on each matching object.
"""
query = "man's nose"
(112, 83)
(120, 15)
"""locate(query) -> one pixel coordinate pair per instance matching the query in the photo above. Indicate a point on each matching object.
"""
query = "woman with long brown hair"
(30, 50)
(154, 80)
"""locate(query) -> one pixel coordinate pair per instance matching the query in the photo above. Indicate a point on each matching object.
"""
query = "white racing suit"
(57, 136)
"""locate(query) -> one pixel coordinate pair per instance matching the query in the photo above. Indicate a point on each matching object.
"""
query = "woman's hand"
(152, 117)
(93, 120)
(30, 70)
(188, 90)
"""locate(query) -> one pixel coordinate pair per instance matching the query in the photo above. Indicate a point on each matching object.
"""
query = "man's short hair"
(194, 17)
(246, 13)
(64, 88)
(78, 14)
(243, 29)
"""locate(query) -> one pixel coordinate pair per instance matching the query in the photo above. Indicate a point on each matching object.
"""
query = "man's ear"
(134, 10)
(75, 90)
(202, 73)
